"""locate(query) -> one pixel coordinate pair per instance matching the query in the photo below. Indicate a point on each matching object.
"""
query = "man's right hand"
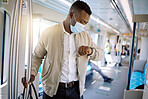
(32, 78)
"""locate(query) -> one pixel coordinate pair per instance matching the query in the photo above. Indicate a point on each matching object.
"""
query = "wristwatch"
(91, 51)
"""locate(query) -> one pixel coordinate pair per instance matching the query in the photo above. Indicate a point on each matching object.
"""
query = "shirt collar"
(64, 29)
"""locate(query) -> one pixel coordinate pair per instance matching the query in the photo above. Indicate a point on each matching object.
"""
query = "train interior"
(123, 22)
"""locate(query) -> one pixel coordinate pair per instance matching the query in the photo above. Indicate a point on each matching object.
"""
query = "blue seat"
(88, 68)
(138, 78)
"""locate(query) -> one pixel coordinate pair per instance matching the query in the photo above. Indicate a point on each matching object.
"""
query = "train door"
(4, 49)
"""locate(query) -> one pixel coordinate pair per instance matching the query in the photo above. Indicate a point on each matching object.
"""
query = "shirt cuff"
(33, 73)
(91, 54)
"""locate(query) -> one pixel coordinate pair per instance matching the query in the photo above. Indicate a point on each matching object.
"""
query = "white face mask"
(77, 28)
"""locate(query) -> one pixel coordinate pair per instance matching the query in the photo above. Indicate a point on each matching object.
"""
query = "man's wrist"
(91, 51)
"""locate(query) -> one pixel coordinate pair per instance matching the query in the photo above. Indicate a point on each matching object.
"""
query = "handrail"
(13, 18)
(136, 44)
(16, 70)
(131, 57)
(136, 48)
(14, 50)
(30, 43)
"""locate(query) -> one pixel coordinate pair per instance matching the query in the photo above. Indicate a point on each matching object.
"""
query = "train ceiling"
(110, 12)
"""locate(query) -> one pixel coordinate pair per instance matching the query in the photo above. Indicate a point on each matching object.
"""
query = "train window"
(94, 37)
(1, 28)
(100, 39)
(4, 45)
(39, 25)
(97, 38)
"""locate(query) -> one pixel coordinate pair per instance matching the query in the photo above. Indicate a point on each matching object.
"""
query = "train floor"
(96, 88)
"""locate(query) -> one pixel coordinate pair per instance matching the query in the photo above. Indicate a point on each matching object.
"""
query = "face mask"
(77, 28)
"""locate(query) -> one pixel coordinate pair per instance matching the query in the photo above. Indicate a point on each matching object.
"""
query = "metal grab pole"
(3, 47)
(30, 43)
(14, 50)
(13, 19)
(17, 49)
(136, 48)
(136, 44)
(131, 57)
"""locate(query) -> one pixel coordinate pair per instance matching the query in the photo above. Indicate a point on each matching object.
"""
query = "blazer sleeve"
(98, 53)
(39, 53)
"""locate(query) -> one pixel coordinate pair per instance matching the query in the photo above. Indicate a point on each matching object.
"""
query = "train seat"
(139, 74)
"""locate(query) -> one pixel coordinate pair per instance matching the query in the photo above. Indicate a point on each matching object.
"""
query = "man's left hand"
(84, 50)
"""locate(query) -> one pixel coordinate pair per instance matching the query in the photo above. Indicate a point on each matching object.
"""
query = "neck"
(66, 24)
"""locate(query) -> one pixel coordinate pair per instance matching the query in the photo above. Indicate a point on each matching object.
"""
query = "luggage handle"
(30, 92)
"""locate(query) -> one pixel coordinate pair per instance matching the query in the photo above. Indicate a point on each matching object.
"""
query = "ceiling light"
(66, 2)
(126, 8)
(112, 5)
(116, 31)
(103, 23)
(99, 21)
(94, 18)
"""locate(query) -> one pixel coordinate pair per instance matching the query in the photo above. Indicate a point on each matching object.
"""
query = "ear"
(71, 14)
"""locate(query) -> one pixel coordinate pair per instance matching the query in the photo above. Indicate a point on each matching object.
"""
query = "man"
(108, 48)
(96, 68)
(118, 48)
(119, 53)
(67, 49)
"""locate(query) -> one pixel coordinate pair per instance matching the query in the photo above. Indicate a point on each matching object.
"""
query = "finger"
(80, 51)
(24, 82)
(30, 82)
(79, 55)
(87, 51)
(25, 85)
(84, 51)
(32, 78)
(23, 79)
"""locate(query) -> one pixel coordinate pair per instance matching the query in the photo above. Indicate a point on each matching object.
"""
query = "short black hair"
(81, 5)
(138, 51)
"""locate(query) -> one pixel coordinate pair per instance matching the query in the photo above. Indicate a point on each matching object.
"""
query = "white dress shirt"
(69, 69)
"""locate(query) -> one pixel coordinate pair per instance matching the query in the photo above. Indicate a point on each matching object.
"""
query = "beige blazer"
(50, 46)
